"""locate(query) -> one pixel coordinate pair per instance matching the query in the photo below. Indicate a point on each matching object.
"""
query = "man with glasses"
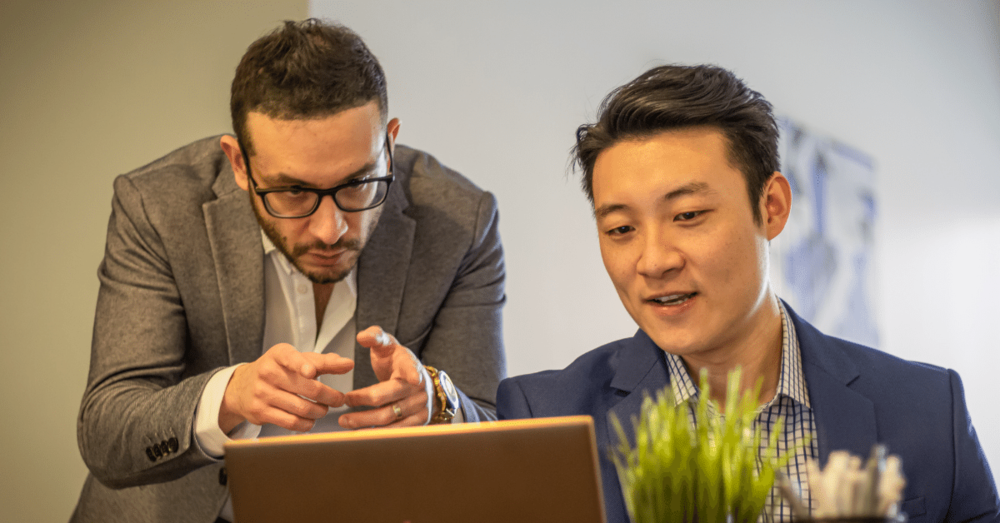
(306, 274)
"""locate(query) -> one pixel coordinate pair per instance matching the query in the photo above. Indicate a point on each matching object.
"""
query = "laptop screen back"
(542, 470)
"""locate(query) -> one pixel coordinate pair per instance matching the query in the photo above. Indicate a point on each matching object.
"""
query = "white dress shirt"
(290, 317)
(791, 402)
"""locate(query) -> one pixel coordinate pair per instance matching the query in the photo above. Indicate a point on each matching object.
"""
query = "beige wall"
(89, 89)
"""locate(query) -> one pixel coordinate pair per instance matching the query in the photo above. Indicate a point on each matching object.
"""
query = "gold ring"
(397, 411)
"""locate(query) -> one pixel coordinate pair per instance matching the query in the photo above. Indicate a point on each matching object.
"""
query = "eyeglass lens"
(355, 197)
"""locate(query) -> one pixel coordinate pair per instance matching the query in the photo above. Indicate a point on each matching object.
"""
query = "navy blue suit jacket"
(859, 397)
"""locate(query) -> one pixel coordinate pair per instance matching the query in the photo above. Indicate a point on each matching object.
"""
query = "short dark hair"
(675, 97)
(303, 70)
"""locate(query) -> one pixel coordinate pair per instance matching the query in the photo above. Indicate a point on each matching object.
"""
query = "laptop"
(542, 469)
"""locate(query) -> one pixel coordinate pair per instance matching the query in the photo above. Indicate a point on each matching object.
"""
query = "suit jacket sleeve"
(511, 401)
(135, 419)
(974, 495)
(466, 339)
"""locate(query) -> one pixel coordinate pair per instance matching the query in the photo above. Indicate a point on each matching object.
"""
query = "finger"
(267, 404)
(329, 363)
(376, 339)
(291, 359)
(284, 375)
(408, 367)
(381, 393)
(316, 391)
(413, 411)
(284, 420)
(297, 406)
(264, 397)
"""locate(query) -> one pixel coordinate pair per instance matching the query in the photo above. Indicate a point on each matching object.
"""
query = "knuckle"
(314, 389)
(270, 373)
(380, 398)
(306, 409)
(259, 390)
(306, 426)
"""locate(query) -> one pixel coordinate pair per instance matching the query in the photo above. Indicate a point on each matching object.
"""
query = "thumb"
(377, 340)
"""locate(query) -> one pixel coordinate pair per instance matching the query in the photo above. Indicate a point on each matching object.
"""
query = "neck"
(321, 295)
(757, 354)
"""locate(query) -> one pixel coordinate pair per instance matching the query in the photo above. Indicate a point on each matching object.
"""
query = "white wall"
(497, 89)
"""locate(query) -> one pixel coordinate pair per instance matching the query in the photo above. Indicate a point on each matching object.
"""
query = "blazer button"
(173, 445)
(163, 448)
(223, 476)
(157, 451)
(149, 454)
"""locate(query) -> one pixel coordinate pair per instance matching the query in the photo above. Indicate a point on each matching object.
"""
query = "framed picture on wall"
(822, 264)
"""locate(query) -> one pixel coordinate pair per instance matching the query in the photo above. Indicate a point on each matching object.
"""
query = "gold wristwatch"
(447, 396)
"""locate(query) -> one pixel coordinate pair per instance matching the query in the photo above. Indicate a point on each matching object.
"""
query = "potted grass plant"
(704, 470)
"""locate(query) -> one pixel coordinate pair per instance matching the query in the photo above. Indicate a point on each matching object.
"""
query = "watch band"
(445, 394)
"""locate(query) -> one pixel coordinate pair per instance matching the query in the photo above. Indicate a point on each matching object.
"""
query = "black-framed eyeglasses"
(298, 202)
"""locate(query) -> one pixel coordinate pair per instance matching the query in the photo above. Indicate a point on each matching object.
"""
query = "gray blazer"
(182, 295)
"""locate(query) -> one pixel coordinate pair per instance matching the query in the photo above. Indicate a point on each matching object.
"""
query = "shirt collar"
(791, 382)
(282, 263)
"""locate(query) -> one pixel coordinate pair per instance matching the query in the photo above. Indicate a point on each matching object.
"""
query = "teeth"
(673, 299)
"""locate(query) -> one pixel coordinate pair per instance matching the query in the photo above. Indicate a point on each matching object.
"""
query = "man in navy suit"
(682, 171)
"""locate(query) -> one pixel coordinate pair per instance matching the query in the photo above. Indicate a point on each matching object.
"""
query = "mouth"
(327, 258)
(672, 299)
(328, 255)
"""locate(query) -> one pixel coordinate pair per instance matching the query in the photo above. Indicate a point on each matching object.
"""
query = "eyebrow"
(284, 179)
(684, 190)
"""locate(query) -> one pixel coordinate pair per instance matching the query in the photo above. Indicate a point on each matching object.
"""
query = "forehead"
(316, 149)
(659, 164)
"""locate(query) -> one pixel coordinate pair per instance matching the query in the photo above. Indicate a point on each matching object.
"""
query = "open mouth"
(673, 299)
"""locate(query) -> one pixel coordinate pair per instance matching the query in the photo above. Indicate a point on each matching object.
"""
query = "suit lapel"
(239, 265)
(382, 272)
(641, 370)
(845, 419)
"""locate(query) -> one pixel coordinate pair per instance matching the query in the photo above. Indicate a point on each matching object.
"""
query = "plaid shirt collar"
(791, 382)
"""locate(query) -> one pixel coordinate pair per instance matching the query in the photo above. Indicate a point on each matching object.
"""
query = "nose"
(659, 255)
(328, 223)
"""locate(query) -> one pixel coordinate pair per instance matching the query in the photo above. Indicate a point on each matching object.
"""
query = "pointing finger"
(329, 363)
(293, 360)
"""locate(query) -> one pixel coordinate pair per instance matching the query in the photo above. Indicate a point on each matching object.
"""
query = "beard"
(351, 252)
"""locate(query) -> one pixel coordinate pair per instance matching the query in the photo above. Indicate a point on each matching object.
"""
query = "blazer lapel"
(239, 265)
(641, 371)
(845, 419)
(382, 272)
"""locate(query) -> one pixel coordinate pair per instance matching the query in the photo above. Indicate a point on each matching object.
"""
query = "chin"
(673, 341)
(326, 275)
(324, 279)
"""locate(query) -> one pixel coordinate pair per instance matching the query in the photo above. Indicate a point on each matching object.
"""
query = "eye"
(618, 231)
(687, 216)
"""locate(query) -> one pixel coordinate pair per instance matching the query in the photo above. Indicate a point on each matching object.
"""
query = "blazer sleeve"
(466, 339)
(974, 493)
(511, 401)
(135, 420)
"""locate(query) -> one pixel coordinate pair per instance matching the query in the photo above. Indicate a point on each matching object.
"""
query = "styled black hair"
(673, 97)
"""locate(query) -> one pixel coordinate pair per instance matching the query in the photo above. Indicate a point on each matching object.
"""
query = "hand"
(281, 388)
(403, 383)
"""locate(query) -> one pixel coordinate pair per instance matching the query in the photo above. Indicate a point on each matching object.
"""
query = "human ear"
(777, 204)
(392, 129)
(233, 152)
